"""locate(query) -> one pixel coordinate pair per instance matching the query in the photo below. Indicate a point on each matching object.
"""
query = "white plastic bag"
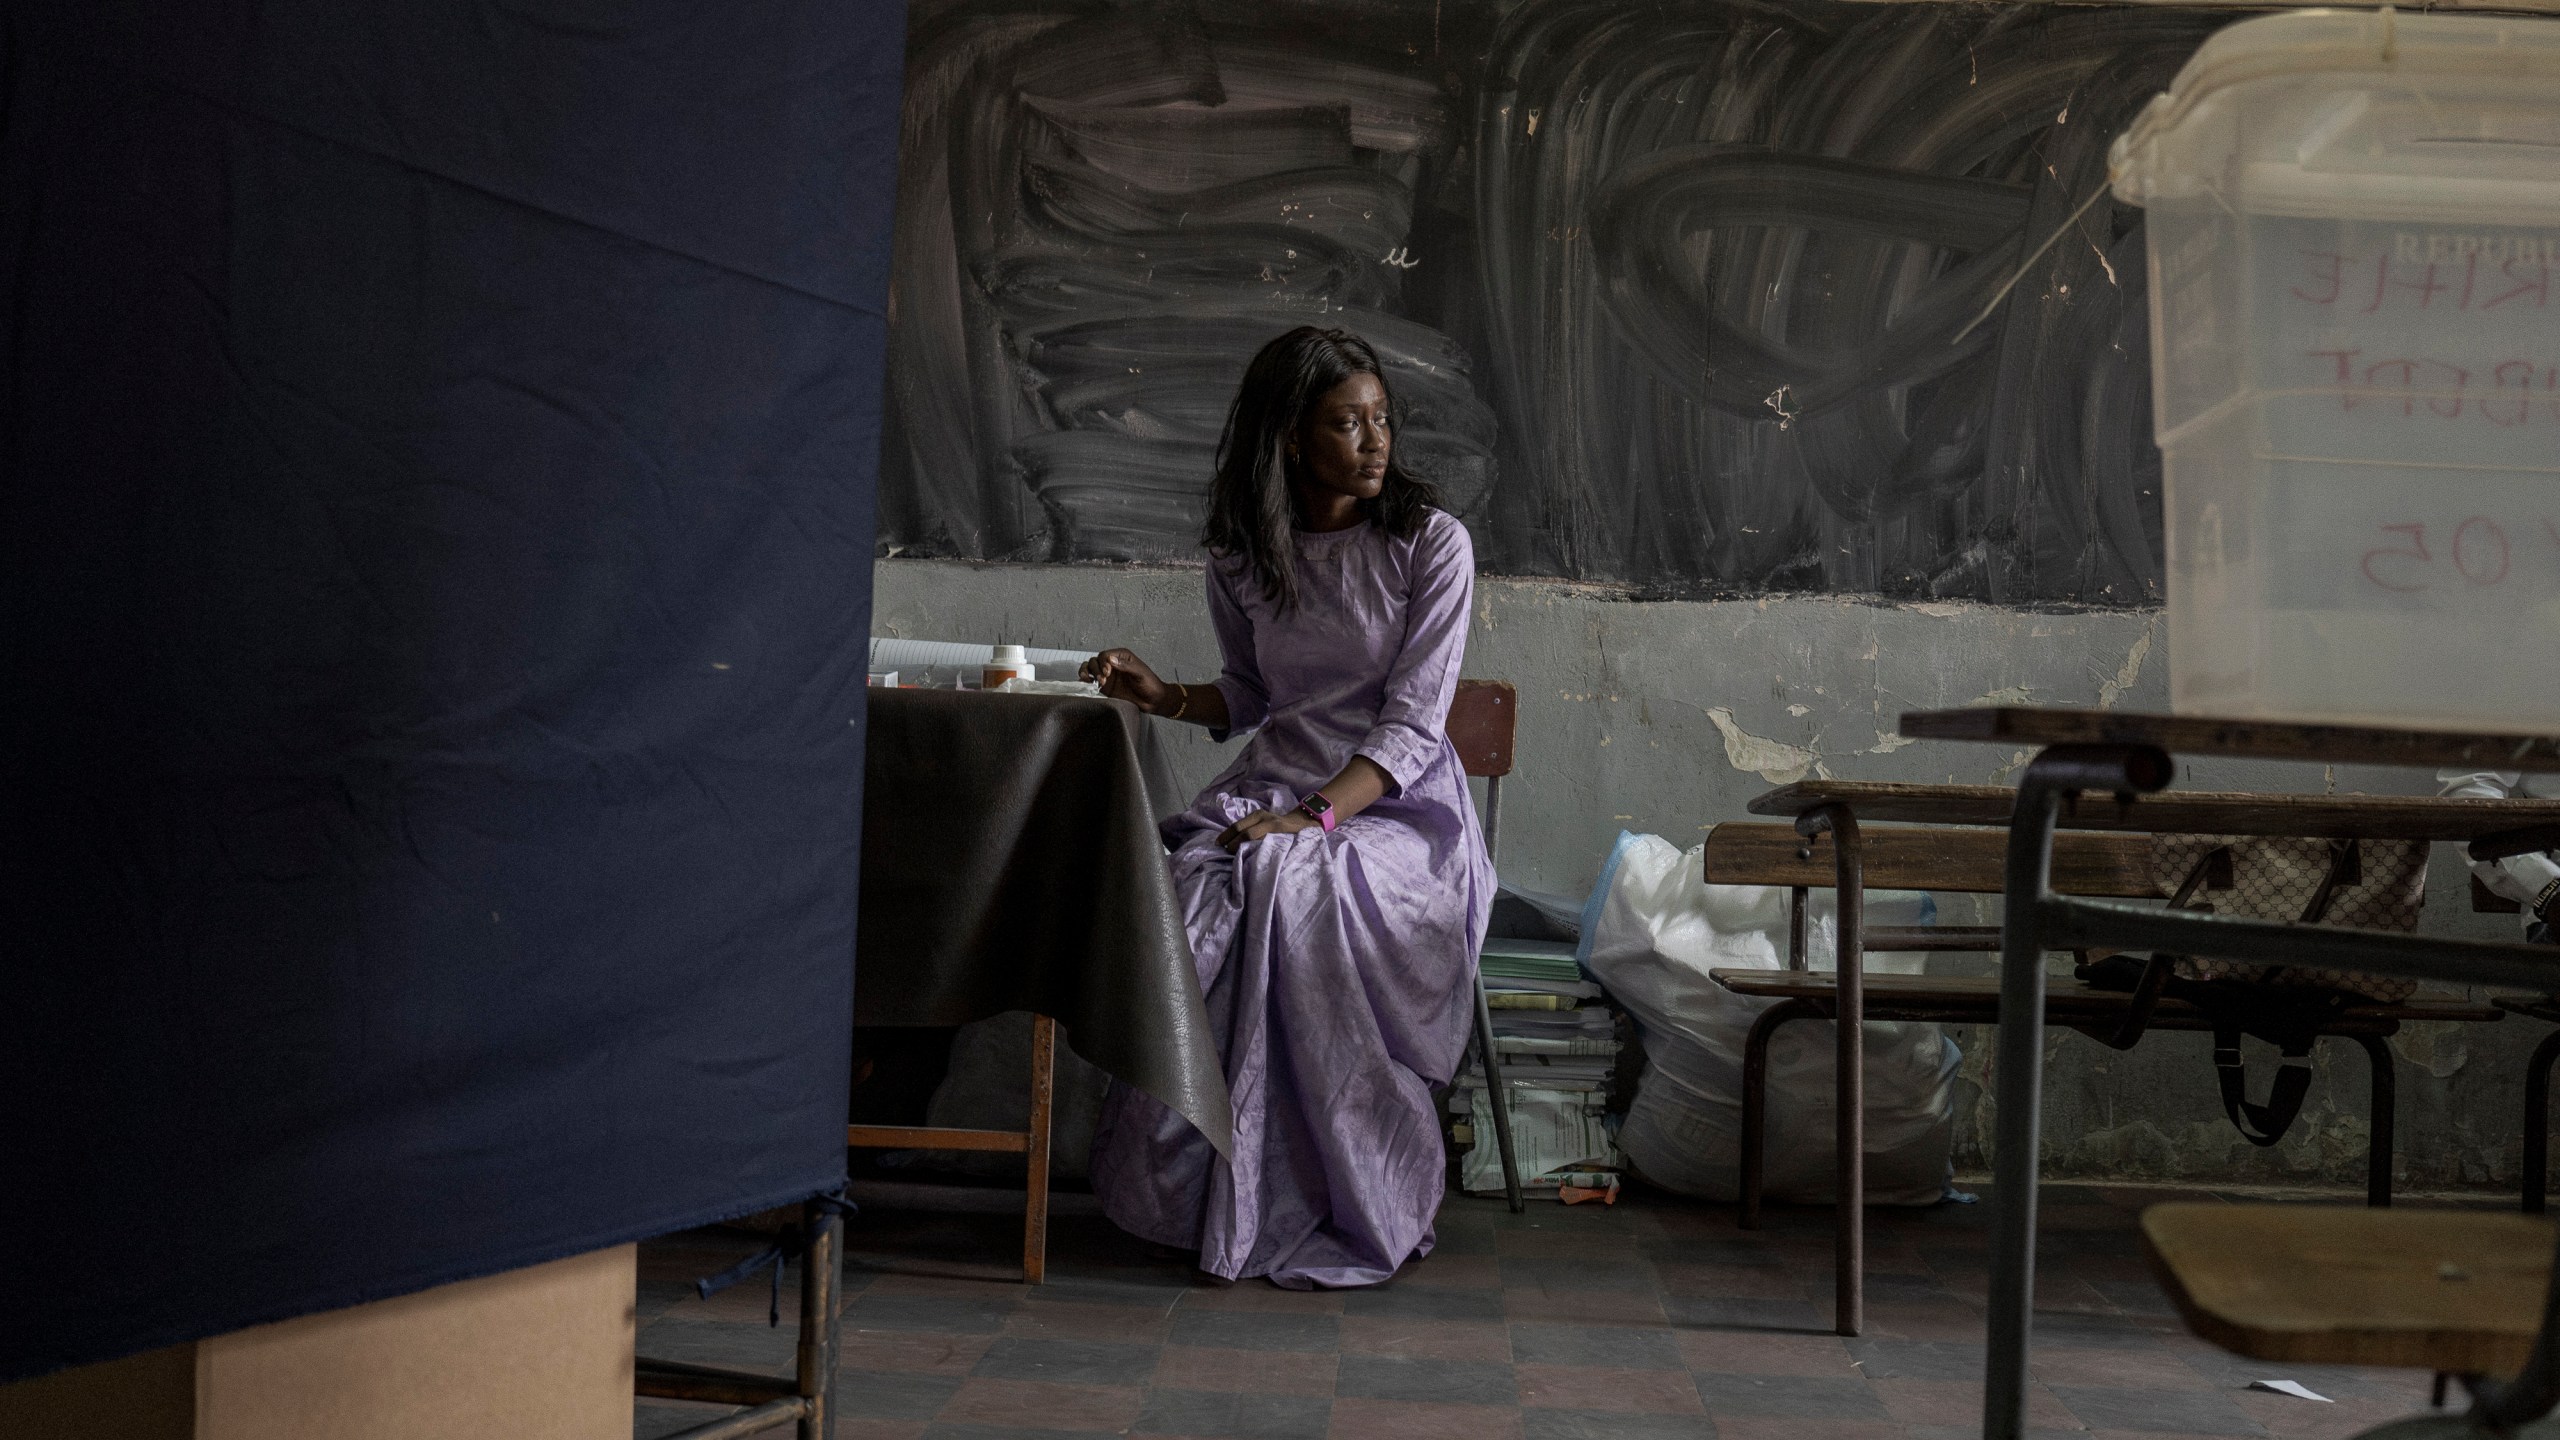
(1653, 930)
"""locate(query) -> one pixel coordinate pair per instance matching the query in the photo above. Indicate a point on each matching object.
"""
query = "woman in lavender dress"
(1333, 879)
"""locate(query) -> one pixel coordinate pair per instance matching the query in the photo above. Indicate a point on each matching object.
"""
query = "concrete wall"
(1667, 717)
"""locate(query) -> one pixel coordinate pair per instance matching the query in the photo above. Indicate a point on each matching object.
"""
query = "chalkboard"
(1703, 298)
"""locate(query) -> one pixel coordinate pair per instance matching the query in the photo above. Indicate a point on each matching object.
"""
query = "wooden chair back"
(1483, 716)
(1482, 719)
(1928, 857)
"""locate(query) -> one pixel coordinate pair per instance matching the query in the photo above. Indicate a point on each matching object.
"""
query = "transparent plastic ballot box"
(2354, 230)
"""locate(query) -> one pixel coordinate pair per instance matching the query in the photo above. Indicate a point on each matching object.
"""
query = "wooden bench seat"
(1974, 999)
(2453, 1291)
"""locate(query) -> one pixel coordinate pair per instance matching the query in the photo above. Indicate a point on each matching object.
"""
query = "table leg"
(2019, 1080)
(2537, 1121)
(2383, 1115)
(1848, 1068)
(1755, 1103)
(1035, 1152)
(820, 1318)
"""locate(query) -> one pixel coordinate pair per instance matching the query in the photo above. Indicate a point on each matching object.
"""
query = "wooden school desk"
(2092, 763)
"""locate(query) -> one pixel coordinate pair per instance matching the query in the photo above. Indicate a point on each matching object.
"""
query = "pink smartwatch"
(1319, 809)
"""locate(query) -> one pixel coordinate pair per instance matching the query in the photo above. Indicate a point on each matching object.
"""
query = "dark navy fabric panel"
(437, 449)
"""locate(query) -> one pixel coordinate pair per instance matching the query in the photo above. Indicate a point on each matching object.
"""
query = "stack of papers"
(1556, 1039)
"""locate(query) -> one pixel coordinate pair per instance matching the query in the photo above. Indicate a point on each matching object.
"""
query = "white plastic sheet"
(1653, 930)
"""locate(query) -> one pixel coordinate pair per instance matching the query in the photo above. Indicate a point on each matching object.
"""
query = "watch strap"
(1315, 806)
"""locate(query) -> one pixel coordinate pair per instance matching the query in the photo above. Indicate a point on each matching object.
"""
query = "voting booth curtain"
(437, 448)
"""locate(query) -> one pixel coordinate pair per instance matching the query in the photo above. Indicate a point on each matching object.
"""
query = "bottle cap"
(1010, 655)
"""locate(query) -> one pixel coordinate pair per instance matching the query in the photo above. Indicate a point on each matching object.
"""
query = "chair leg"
(2537, 1121)
(1035, 1155)
(2384, 1117)
(1497, 1100)
(1755, 1102)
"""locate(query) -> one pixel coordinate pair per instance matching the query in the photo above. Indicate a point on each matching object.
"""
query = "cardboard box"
(537, 1354)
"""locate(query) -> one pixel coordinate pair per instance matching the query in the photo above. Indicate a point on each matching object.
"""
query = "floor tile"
(1123, 1324)
(1227, 1413)
(1788, 1427)
(1073, 1361)
(1454, 1382)
(889, 1395)
(1488, 1341)
(1786, 1316)
(1798, 1397)
(857, 1427)
(1755, 1253)
(1551, 1273)
(1625, 1347)
(1255, 1330)
(908, 1351)
(2184, 1412)
(1046, 1404)
(1917, 1359)
(1417, 1302)
(1600, 1387)
(1612, 1425)
(974, 1431)
(1365, 1419)
(1258, 1295)
(1744, 1352)
(1270, 1372)
(968, 1316)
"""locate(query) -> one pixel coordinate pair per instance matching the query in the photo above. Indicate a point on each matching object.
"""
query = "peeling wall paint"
(1775, 761)
(1669, 717)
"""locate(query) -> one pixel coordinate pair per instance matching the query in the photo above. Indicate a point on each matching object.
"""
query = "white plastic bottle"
(1007, 663)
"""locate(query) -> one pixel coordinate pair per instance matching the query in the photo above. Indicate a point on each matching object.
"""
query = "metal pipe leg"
(1497, 1099)
(2381, 1127)
(2019, 1077)
(820, 1338)
(2537, 1121)
(1848, 1069)
(1755, 1102)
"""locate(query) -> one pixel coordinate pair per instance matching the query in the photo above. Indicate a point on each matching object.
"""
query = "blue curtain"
(437, 450)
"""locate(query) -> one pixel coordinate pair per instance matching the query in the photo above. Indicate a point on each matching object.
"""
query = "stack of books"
(1557, 1041)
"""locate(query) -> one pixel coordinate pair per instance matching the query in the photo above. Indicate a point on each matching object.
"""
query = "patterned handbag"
(2375, 884)
(2371, 884)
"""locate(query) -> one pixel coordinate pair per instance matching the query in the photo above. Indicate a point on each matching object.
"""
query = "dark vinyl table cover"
(1011, 862)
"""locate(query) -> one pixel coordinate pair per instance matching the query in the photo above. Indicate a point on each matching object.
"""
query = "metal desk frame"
(2037, 920)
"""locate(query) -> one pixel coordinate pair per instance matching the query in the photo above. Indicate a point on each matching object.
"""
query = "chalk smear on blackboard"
(1667, 291)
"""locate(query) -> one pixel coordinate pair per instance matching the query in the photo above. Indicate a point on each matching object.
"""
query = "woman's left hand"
(1259, 824)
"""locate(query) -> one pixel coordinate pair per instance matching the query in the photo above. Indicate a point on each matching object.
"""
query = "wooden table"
(2106, 754)
(1011, 861)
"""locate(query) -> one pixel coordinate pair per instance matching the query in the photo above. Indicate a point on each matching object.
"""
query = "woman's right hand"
(1123, 676)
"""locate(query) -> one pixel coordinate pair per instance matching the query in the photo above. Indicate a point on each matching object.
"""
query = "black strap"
(2288, 1017)
(792, 1241)
(2261, 1125)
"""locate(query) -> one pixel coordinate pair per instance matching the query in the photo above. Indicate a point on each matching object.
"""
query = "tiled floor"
(1653, 1319)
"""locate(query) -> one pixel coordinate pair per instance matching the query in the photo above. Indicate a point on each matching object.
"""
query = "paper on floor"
(2288, 1387)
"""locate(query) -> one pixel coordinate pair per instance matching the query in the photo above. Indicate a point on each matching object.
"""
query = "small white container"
(2354, 230)
(1007, 663)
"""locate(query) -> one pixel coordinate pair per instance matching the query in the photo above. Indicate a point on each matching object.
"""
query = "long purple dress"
(1337, 968)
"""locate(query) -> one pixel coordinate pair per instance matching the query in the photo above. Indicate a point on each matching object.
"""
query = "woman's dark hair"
(1252, 518)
